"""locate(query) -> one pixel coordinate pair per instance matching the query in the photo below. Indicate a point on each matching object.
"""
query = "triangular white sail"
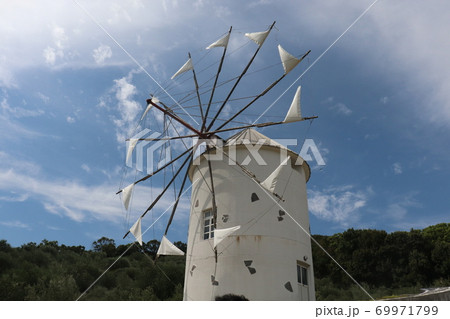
(258, 37)
(186, 67)
(289, 61)
(126, 195)
(271, 181)
(149, 106)
(131, 146)
(222, 42)
(136, 231)
(167, 248)
(221, 234)
(294, 114)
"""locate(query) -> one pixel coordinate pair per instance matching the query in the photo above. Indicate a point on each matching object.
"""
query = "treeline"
(50, 271)
(385, 264)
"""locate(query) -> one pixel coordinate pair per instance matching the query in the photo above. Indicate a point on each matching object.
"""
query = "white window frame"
(302, 273)
(208, 224)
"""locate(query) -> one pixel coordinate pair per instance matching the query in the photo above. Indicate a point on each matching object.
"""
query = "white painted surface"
(272, 246)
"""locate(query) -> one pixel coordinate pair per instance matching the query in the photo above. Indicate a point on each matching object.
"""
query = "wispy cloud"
(340, 204)
(14, 198)
(397, 168)
(66, 198)
(15, 224)
(341, 108)
(14, 131)
(43, 97)
(75, 200)
(338, 107)
(17, 112)
(10, 126)
(398, 208)
(8, 161)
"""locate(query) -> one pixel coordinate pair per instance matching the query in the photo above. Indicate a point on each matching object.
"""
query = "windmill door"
(303, 280)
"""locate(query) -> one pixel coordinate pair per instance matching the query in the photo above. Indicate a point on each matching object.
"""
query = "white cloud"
(341, 108)
(259, 3)
(78, 202)
(60, 39)
(86, 168)
(328, 100)
(398, 209)
(397, 168)
(222, 12)
(227, 111)
(391, 40)
(128, 108)
(394, 38)
(102, 53)
(11, 130)
(371, 136)
(49, 55)
(54, 228)
(63, 35)
(338, 204)
(338, 107)
(75, 200)
(15, 224)
(70, 119)
(14, 163)
(14, 198)
(6, 74)
(18, 112)
(43, 97)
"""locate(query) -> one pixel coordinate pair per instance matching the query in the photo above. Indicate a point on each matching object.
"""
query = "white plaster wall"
(273, 246)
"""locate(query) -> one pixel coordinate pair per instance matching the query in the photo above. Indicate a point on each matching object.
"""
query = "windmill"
(235, 243)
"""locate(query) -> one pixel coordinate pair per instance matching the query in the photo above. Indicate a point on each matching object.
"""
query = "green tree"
(180, 245)
(105, 245)
(5, 246)
(151, 247)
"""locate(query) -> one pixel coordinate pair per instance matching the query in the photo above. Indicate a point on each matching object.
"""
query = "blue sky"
(69, 96)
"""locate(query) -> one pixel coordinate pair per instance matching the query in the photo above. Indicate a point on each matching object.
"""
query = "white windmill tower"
(249, 226)
(253, 248)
